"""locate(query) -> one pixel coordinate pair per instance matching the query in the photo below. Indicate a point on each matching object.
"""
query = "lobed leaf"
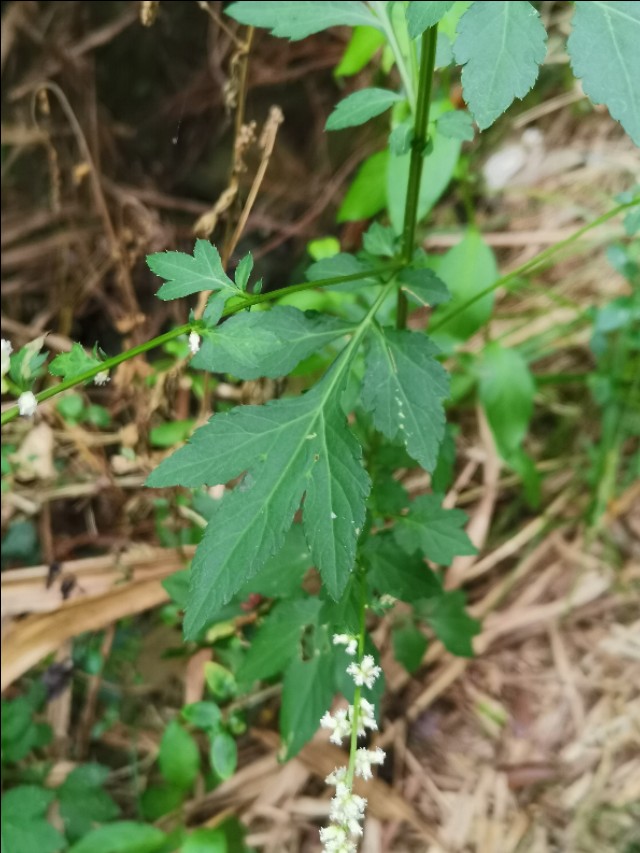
(288, 448)
(423, 287)
(436, 532)
(603, 48)
(73, 363)
(266, 343)
(404, 387)
(299, 19)
(501, 45)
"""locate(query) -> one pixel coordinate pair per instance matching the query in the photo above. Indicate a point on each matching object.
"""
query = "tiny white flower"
(27, 404)
(338, 777)
(347, 640)
(347, 809)
(365, 672)
(335, 839)
(367, 717)
(338, 724)
(194, 342)
(365, 758)
(102, 378)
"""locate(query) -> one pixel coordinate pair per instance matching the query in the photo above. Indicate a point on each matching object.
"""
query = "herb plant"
(312, 473)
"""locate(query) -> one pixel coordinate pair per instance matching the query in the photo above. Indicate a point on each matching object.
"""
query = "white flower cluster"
(347, 809)
(194, 342)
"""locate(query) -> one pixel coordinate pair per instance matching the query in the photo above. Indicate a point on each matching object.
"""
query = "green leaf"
(24, 825)
(364, 43)
(282, 575)
(367, 194)
(452, 624)
(177, 585)
(266, 343)
(603, 48)
(83, 802)
(158, 800)
(224, 755)
(179, 758)
(171, 433)
(501, 45)
(422, 15)
(423, 287)
(456, 124)
(342, 264)
(506, 391)
(404, 387)
(436, 532)
(442, 476)
(203, 715)
(360, 106)
(323, 247)
(379, 240)
(243, 271)
(277, 641)
(394, 573)
(205, 841)
(401, 137)
(124, 836)
(26, 363)
(437, 171)
(297, 20)
(220, 681)
(307, 691)
(288, 448)
(185, 275)
(73, 363)
(409, 646)
(467, 269)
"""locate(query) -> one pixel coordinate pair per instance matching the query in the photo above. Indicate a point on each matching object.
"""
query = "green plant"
(378, 405)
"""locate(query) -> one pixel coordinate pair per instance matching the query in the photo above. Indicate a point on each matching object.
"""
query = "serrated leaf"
(394, 573)
(452, 624)
(409, 646)
(456, 124)
(404, 387)
(297, 20)
(379, 240)
(467, 269)
(360, 106)
(307, 691)
(224, 755)
(82, 801)
(277, 641)
(436, 532)
(364, 43)
(603, 48)
(421, 15)
(243, 271)
(506, 391)
(178, 758)
(266, 343)
(73, 363)
(367, 194)
(24, 824)
(282, 575)
(288, 448)
(423, 287)
(123, 836)
(437, 171)
(501, 46)
(185, 274)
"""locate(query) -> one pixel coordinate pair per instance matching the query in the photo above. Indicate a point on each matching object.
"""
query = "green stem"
(197, 326)
(418, 144)
(355, 719)
(390, 33)
(533, 263)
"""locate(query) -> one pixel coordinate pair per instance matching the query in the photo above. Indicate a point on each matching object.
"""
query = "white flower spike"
(27, 404)
(338, 724)
(364, 674)
(194, 342)
(348, 640)
(365, 758)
